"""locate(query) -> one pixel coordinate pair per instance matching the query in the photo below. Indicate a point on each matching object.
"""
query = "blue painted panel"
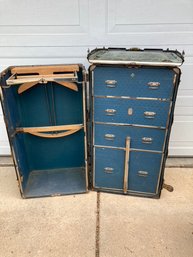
(141, 162)
(55, 153)
(50, 107)
(139, 107)
(109, 135)
(133, 82)
(109, 158)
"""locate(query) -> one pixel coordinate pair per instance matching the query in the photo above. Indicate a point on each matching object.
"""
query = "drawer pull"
(150, 115)
(110, 111)
(108, 170)
(109, 136)
(142, 173)
(147, 140)
(111, 83)
(153, 85)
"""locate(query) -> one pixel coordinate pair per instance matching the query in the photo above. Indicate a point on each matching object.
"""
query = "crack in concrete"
(97, 238)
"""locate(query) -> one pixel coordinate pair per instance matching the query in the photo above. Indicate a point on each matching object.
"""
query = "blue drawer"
(141, 138)
(144, 169)
(134, 82)
(150, 113)
(105, 160)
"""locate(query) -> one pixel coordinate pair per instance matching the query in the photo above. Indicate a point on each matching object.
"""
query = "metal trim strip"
(115, 190)
(158, 64)
(85, 131)
(128, 124)
(93, 129)
(131, 149)
(133, 98)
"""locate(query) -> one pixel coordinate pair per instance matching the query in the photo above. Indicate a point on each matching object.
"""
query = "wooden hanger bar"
(45, 70)
(56, 76)
(49, 128)
(32, 78)
(39, 131)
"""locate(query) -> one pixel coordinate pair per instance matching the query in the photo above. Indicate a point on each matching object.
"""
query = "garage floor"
(105, 225)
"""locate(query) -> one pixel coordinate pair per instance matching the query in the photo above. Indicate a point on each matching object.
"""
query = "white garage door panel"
(148, 16)
(49, 31)
(184, 106)
(163, 12)
(178, 141)
(36, 12)
(4, 144)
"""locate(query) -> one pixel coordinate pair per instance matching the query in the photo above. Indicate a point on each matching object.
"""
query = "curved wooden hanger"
(24, 87)
(39, 131)
(56, 135)
(33, 75)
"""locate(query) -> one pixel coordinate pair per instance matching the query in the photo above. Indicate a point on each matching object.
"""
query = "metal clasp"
(109, 136)
(111, 83)
(149, 115)
(130, 111)
(110, 111)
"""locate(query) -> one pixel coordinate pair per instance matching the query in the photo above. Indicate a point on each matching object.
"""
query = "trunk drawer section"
(141, 138)
(140, 112)
(143, 173)
(134, 82)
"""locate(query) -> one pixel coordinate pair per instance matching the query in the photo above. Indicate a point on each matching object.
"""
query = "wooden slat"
(69, 85)
(49, 128)
(56, 76)
(126, 170)
(26, 86)
(45, 70)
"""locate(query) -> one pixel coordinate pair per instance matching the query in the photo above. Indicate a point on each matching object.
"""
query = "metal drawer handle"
(147, 140)
(153, 85)
(110, 111)
(109, 136)
(150, 115)
(111, 83)
(108, 170)
(142, 173)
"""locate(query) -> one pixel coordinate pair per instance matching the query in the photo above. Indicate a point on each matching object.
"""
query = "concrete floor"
(126, 226)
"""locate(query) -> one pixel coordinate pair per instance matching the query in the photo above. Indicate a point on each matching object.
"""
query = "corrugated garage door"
(49, 31)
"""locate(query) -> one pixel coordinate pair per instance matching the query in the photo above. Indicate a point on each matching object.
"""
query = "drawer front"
(149, 113)
(141, 138)
(109, 168)
(134, 82)
(143, 173)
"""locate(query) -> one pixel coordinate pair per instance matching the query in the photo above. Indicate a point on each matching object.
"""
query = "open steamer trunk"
(44, 110)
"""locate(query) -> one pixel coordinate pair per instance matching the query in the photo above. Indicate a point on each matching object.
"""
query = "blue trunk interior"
(47, 166)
